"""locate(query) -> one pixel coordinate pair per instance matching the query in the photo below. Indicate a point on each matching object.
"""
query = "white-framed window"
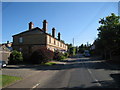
(54, 42)
(49, 39)
(21, 40)
(58, 43)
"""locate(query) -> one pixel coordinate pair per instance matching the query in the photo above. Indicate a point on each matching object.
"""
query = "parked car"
(87, 55)
(2, 64)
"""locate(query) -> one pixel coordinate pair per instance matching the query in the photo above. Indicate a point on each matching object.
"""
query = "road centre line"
(94, 77)
(91, 74)
(36, 85)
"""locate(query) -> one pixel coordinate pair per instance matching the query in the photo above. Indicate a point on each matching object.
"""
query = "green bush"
(15, 57)
(66, 55)
(58, 55)
(62, 57)
(72, 51)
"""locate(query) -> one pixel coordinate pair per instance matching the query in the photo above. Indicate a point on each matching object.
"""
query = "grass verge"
(7, 80)
(49, 63)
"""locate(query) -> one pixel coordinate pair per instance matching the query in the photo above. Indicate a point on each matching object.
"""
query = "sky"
(78, 20)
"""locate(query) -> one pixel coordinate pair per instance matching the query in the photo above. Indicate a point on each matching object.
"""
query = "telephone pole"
(73, 42)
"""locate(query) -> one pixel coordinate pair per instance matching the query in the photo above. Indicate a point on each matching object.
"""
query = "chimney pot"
(59, 36)
(45, 25)
(7, 42)
(31, 25)
(53, 32)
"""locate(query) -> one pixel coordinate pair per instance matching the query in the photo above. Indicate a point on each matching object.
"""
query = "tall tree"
(109, 34)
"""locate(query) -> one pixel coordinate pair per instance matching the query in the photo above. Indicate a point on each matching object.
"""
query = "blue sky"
(78, 20)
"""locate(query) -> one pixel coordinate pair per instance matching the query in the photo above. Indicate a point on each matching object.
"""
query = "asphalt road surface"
(76, 73)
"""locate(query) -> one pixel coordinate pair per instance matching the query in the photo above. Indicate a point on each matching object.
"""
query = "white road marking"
(35, 85)
(89, 71)
(91, 74)
(94, 77)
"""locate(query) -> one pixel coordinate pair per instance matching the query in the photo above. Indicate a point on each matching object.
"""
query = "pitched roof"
(36, 28)
(29, 31)
(3, 48)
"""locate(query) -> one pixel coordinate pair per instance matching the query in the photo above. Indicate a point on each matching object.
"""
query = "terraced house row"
(35, 38)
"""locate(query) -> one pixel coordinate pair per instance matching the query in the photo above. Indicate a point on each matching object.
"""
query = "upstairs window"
(49, 39)
(21, 40)
(54, 42)
(58, 43)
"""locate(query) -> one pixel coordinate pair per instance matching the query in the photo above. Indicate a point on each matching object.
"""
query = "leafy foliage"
(66, 54)
(59, 55)
(108, 40)
(71, 50)
(15, 57)
(41, 56)
(83, 47)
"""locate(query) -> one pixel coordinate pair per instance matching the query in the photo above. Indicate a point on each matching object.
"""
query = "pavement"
(80, 72)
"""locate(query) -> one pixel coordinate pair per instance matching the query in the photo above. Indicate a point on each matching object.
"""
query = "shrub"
(62, 57)
(66, 55)
(15, 57)
(41, 56)
(58, 55)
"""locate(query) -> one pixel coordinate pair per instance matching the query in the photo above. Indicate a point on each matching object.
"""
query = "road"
(76, 73)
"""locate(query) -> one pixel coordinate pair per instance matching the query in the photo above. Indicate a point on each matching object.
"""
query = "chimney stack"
(45, 25)
(53, 32)
(31, 25)
(59, 36)
(7, 42)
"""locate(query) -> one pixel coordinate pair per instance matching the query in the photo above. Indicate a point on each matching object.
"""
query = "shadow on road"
(116, 78)
(70, 64)
(106, 84)
(79, 63)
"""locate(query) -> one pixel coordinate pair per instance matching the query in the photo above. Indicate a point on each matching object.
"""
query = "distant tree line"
(73, 50)
(83, 47)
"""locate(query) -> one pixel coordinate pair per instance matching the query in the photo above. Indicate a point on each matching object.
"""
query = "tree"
(83, 47)
(109, 35)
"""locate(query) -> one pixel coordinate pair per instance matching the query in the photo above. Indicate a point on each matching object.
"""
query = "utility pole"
(87, 44)
(73, 42)
(73, 48)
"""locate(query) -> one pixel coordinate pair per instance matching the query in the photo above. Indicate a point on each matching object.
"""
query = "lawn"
(49, 63)
(7, 80)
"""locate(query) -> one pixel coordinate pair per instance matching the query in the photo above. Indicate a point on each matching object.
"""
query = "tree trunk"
(105, 53)
(110, 54)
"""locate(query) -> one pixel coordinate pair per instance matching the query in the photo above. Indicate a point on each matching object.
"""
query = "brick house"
(5, 51)
(36, 38)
